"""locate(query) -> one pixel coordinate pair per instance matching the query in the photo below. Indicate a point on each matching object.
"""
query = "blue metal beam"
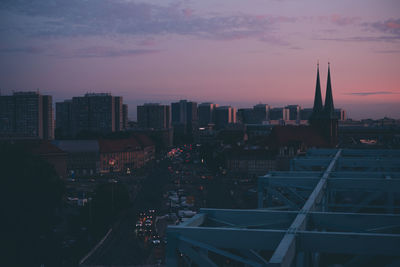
(200, 259)
(196, 220)
(352, 222)
(251, 218)
(230, 237)
(286, 251)
(373, 185)
(349, 243)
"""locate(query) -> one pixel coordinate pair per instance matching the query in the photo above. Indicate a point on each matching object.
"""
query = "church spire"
(329, 109)
(317, 98)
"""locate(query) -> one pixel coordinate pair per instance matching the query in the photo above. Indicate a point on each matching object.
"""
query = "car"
(156, 241)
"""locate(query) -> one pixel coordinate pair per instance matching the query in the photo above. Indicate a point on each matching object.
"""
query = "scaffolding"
(334, 208)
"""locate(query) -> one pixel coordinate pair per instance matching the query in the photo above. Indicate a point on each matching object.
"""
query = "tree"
(30, 191)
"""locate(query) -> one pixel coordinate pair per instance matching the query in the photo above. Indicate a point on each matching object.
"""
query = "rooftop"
(334, 208)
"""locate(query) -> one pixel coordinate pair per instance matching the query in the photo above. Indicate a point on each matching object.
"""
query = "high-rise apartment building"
(340, 114)
(246, 116)
(94, 112)
(125, 119)
(184, 116)
(279, 114)
(305, 114)
(205, 112)
(64, 118)
(261, 113)
(26, 115)
(48, 117)
(224, 116)
(119, 115)
(154, 116)
(294, 112)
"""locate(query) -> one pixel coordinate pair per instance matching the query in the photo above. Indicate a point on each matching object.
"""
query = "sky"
(233, 52)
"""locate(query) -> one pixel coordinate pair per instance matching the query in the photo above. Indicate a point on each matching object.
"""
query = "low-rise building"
(120, 155)
(82, 156)
(253, 162)
(148, 147)
(50, 153)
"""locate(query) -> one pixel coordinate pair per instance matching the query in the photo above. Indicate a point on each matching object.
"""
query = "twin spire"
(327, 111)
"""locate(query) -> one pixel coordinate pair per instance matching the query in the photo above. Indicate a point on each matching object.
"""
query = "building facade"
(154, 116)
(125, 119)
(26, 115)
(96, 112)
(83, 156)
(261, 113)
(64, 119)
(206, 114)
(224, 116)
(294, 112)
(279, 114)
(125, 155)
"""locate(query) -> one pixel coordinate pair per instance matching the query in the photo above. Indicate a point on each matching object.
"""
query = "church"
(322, 131)
(323, 118)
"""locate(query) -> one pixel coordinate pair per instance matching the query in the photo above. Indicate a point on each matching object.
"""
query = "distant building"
(162, 138)
(83, 156)
(125, 119)
(246, 116)
(255, 131)
(125, 155)
(294, 112)
(119, 114)
(323, 118)
(64, 119)
(48, 152)
(253, 162)
(26, 115)
(305, 114)
(148, 147)
(95, 112)
(340, 114)
(184, 119)
(224, 116)
(154, 116)
(261, 113)
(206, 114)
(100, 110)
(120, 155)
(276, 114)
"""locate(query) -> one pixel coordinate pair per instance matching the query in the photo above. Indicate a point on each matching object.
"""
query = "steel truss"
(321, 217)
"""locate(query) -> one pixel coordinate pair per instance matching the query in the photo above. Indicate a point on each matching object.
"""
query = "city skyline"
(236, 53)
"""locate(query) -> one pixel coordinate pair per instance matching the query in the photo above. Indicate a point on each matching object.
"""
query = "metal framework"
(333, 207)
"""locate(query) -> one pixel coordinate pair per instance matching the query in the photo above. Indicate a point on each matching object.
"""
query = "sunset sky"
(238, 52)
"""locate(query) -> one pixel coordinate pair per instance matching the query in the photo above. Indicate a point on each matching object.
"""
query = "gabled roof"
(119, 145)
(76, 146)
(41, 147)
(143, 140)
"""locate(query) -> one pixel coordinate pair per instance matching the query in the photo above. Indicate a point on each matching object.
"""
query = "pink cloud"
(393, 25)
(147, 42)
(187, 12)
(343, 21)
